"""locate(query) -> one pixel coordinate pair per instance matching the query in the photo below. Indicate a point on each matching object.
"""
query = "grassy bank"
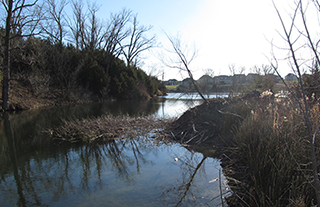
(172, 88)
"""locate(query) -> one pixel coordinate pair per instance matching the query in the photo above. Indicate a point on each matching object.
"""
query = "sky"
(225, 32)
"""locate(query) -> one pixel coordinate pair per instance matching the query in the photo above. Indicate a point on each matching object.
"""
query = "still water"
(130, 172)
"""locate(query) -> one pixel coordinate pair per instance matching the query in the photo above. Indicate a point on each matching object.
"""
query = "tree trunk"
(6, 61)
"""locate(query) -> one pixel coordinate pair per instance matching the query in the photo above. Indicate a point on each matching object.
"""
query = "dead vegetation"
(109, 127)
(211, 123)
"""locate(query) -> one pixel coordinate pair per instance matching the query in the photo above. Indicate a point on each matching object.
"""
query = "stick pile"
(108, 127)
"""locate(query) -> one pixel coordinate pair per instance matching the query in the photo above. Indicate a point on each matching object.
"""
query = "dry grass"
(271, 156)
(108, 127)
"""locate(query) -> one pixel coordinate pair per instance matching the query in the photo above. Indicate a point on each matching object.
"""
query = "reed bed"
(269, 163)
(108, 127)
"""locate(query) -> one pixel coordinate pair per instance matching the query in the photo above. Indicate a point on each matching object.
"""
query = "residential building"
(222, 79)
(206, 79)
(291, 77)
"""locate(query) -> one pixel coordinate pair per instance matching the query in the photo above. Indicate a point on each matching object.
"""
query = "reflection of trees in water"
(28, 125)
(29, 143)
(183, 192)
(13, 157)
(79, 170)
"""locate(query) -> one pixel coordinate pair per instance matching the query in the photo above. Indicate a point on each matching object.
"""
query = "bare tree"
(181, 61)
(77, 24)
(22, 19)
(55, 21)
(116, 32)
(297, 66)
(94, 33)
(209, 72)
(138, 42)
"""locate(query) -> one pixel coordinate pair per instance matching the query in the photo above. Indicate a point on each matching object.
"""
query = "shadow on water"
(122, 172)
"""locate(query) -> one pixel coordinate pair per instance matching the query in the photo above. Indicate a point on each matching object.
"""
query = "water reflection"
(195, 96)
(135, 169)
(72, 172)
(175, 107)
(189, 190)
(13, 157)
(124, 172)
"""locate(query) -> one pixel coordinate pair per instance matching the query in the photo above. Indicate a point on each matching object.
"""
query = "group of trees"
(45, 47)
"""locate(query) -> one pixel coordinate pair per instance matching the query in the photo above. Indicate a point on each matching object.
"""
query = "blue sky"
(225, 32)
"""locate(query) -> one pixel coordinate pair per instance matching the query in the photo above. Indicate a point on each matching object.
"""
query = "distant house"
(186, 83)
(239, 78)
(276, 78)
(252, 77)
(222, 79)
(205, 83)
(205, 80)
(291, 77)
(172, 82)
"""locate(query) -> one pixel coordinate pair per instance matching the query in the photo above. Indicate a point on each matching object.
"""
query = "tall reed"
(275, 168)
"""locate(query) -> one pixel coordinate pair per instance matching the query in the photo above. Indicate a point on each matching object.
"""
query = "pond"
(124, 172)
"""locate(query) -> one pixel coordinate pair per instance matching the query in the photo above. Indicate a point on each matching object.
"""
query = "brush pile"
(208, 122)
(107, 127)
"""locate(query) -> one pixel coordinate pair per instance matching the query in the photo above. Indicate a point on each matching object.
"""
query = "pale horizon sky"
(224, 32)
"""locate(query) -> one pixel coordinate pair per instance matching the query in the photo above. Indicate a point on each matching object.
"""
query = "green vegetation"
(172, 88)
(70, 71)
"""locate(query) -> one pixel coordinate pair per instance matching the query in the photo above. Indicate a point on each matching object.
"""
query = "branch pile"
(107, 127)
(207, 122)
(199, 123)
